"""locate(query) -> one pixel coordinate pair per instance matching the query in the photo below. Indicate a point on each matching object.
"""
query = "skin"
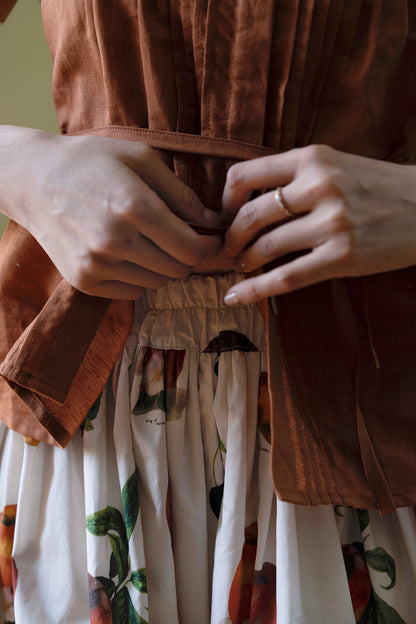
(112, 217)
(109, 213)
(356, 216)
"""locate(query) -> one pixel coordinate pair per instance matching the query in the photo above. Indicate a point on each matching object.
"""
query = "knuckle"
(101, 244)
(345, 249)
(337, 219)
(145, 152)
(289, 281)
(266, 247)
(328, 184)
(122, 202)
(247, 215)
(318, 153)
(85, 277)
(235, 174)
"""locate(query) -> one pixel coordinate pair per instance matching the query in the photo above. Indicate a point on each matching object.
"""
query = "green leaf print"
(87, 425)
(118, 529)
(221, 444)
(134, 617)
(123, 610)
(385, 614)
(145, 403)
(380, 561)
(120, 607)
(220, 449)
(108, 585)
(130, 499)
(172, 402)
(121, 556)
(139, 580)
(108, 519)
(113, 566)
(161, 401)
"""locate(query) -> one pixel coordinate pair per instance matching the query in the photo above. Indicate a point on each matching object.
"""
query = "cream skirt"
(161, 510)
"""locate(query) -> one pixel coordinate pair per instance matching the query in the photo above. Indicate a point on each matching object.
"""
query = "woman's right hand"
(109, 213)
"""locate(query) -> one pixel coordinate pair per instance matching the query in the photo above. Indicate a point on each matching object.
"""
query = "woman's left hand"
(352, 216)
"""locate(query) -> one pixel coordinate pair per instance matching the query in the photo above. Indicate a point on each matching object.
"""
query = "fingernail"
(213, 217)
(231, 298)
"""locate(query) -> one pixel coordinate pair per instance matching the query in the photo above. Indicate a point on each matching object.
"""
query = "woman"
(165, 495)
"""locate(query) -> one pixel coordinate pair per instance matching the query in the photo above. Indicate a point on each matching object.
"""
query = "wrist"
(22, 153)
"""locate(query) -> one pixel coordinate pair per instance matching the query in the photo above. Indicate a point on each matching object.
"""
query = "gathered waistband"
(197, 291)
(190, 314)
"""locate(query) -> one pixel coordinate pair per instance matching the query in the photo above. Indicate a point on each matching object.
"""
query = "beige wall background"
(26, 68)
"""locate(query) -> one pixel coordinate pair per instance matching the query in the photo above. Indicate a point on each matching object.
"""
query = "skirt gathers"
(161, 509)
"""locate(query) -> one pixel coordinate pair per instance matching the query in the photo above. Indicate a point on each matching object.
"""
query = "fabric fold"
(122, 78)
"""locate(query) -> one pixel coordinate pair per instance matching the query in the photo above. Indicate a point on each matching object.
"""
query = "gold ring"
(278, 195)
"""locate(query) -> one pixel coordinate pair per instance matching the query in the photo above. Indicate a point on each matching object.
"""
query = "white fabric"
(162, 441)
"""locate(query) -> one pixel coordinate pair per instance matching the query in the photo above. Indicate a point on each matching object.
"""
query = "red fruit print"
(100, 607)
(7, 524)
(358, 579)
(173, 364)
(263, 601)
(252, 597)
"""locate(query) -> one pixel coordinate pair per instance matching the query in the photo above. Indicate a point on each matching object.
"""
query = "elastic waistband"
(198, 292)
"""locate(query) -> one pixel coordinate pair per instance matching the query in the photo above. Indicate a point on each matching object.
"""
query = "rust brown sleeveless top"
(209, 83)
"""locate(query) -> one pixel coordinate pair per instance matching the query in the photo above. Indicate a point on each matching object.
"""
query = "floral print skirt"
(161, 509)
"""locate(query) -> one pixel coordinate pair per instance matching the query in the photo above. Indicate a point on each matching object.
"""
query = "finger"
(118, 290)
(134, 275)
(153, 219)
(141, 252)
(298, 235)
(257, 174)
(180, 198)
(253, 217)
(314, 267)
(110, 279)
(114, 290)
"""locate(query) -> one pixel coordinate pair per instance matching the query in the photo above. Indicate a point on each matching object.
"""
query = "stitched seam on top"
(171, 133)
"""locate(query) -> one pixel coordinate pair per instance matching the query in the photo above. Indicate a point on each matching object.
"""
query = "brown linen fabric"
(5, 8)
(209, 83)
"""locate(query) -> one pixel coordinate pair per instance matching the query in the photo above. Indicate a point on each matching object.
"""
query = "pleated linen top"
(209, 83)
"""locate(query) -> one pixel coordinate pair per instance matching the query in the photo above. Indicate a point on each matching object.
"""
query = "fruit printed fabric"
(366, 569)
(163, 504)
(8, 571)
(253, 591)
